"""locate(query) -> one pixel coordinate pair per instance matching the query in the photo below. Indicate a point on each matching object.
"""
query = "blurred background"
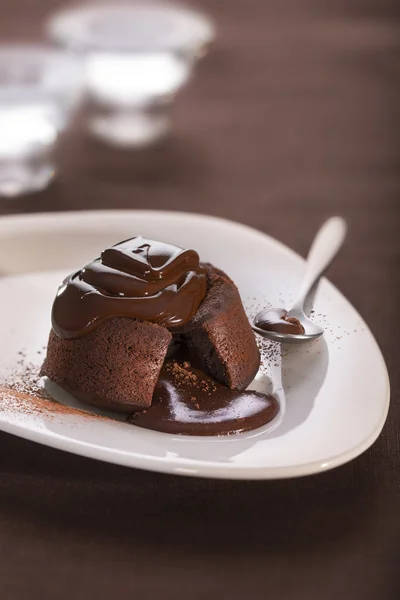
(292, 110)
(286, 114)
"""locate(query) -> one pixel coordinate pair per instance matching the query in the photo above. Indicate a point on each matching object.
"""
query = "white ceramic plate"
(334, 393)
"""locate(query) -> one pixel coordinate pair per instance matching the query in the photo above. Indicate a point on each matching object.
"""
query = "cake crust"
(116, 366)
(220, 335)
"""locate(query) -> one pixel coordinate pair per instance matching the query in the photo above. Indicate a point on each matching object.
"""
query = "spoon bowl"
(275, 324)
(312, 331)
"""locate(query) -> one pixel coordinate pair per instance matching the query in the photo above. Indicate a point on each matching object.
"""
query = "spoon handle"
(324, 248)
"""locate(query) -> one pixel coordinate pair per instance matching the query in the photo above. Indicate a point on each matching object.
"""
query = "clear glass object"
(137, 55)
(39, 88)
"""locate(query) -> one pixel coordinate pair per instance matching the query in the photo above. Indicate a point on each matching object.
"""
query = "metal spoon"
(324, 248)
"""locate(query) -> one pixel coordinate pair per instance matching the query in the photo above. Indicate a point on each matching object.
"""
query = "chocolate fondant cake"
(114, 320)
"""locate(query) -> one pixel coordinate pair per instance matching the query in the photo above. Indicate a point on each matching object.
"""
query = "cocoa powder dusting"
(22, 392)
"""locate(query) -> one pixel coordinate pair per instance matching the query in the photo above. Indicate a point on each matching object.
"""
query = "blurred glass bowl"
(39, 89)
(137, 55)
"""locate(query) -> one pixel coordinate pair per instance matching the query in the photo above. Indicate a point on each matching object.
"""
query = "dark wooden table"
(290, 119)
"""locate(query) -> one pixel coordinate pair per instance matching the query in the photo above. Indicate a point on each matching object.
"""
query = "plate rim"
(18, 223)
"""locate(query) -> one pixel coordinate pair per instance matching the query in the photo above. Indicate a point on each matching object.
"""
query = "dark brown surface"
(292, 119)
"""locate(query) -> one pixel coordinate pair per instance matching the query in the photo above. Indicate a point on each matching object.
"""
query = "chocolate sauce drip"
(189, 402)
(138, 278)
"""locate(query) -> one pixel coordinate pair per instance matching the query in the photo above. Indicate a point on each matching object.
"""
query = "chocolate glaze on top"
(189, 402)
(278, 320)
(138, 278)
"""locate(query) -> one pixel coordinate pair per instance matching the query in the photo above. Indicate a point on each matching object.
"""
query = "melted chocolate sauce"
(138, 278)
(278, 320)
(189, 402)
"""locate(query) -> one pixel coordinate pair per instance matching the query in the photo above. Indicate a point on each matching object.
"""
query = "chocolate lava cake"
(115, 320)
